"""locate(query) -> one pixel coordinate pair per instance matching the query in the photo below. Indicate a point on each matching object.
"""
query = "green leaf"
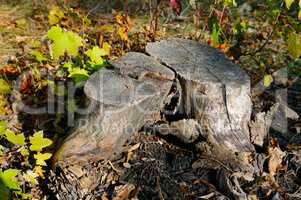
(5, 194)
(8, 178)
(78, 74)
(76, 71)
(288, 3)
(4, 87)
(3, 127)
(64, 41)
(24, 195)
(55, 15)
(294, 45)
(38, 142)
(230, 2)
(68, 65)
(95, 54)
(17, 139)
(54, 33)
(267, 80)
(38, 56)
(215, 36)
(74, 42)
(41, 157)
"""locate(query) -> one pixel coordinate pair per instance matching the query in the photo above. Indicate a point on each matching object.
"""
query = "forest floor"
(23, 27)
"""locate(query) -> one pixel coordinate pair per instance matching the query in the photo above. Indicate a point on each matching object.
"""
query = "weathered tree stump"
(183, 88)
(215, 91)
(124, 100)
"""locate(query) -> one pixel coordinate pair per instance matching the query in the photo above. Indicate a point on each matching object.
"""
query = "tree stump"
(189, 89)
(124, 99)
(215, 91)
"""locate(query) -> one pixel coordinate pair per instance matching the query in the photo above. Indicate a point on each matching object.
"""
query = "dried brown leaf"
(123, 192)
(275, 161)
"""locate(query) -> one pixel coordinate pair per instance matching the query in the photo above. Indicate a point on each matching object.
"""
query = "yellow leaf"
(299, 14)
(119, 19)
(24, 151)
(288, 3)
(17, 139)
(30, 177)
(107, 47)
(4, 87)
(294, 45)
(41, 157)
(21, 23)
(267, 80)
(39, 171)
(1, 150)
(38, 142)
(122, 33)
(55, 15)
(107, 28)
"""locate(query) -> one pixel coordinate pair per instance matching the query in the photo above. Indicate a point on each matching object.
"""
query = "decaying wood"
(183, 88)
(260, 126)
(215, 91)
(186, 130)
(125, 98)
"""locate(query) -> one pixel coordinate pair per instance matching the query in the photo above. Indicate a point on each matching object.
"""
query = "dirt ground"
(152, 165)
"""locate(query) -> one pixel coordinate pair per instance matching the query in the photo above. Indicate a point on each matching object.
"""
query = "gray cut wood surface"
(125, 98)
(215, 91)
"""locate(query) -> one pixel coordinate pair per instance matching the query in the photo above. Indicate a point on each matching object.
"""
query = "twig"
(266, 41)
(219, 162)
(116, 170)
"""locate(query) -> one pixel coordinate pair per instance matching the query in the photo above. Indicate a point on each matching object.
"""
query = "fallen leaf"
(267, 80)
(9, 69)
(224, 47)
(107, 47)
(123, 192)
(30, 177)
(55, 15)
(26, 83)
(4, 87)
(275, 161)
(39, 171)
(21, 23)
